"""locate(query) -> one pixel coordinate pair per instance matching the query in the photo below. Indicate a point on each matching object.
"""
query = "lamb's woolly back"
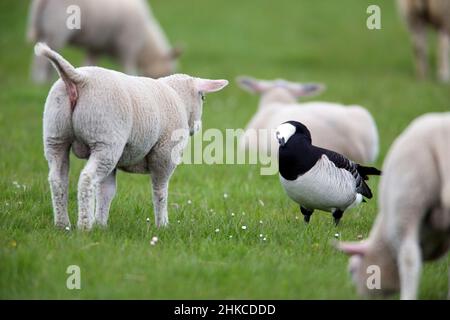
(414, 218)
(352, 128)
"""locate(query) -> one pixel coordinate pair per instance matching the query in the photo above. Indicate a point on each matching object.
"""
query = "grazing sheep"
(116, 121)
(419, 14)
(123, 29)
(413, 223)
(349, 130)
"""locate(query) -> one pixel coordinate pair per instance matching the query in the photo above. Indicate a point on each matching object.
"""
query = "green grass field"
(302, 40)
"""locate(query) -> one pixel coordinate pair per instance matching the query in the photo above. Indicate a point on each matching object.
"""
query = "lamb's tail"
(71, 77)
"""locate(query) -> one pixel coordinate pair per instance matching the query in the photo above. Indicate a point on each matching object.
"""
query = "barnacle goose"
(318, 178)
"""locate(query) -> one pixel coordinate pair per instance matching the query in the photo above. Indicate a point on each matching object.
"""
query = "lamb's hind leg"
(105, 193)
(410, 264)
(100, 165)
(57, 154)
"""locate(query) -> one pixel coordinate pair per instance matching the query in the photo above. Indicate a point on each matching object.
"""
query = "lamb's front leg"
(160, 184)
(106, 191)
(410, 265)
(444, 56)
(161, 169)
(419, 39)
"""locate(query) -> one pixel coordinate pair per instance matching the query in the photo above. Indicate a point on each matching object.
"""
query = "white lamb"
(116, 121)
(123, 29)
(413, 223)
(419, 15)
(349, 130)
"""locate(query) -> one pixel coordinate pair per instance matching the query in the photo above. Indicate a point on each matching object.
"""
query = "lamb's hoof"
(63, 225)
(306, 218)
(84, 225)
(336, 221)
(101, 224)
(162, 224)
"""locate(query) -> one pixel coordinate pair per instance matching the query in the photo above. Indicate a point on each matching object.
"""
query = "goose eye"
(202, 96)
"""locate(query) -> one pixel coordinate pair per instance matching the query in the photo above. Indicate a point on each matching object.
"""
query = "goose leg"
(337, 215)
(306, 214)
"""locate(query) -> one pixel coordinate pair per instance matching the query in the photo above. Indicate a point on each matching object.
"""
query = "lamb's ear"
(353, 248)
(252, 85)
(306, 89)
(206, 85)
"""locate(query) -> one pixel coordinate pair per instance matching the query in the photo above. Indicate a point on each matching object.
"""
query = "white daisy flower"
(244, 227)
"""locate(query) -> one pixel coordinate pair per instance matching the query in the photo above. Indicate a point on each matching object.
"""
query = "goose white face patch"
(284, 132)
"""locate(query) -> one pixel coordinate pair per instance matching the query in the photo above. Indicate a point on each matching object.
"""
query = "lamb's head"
(279, 90)
(156, 63)
(192, 91)
(372, 267)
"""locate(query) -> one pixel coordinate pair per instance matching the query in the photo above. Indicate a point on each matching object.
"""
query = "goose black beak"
(281, 142)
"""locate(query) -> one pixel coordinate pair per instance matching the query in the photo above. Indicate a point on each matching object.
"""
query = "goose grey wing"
(344, 163)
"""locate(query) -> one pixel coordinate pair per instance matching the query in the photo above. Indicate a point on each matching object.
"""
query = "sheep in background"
(419, 14)
(413, 223)
(349, 130)
(123, 29)
(116, 121)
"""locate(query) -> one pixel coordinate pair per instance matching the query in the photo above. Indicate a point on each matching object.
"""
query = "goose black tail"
(368, 171)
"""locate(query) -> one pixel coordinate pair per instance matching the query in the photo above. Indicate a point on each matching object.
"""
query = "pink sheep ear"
(306, 89)
(253, 85)
(353, 248)
(206, 85)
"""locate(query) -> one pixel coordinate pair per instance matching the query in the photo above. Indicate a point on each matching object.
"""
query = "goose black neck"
(296, 157)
